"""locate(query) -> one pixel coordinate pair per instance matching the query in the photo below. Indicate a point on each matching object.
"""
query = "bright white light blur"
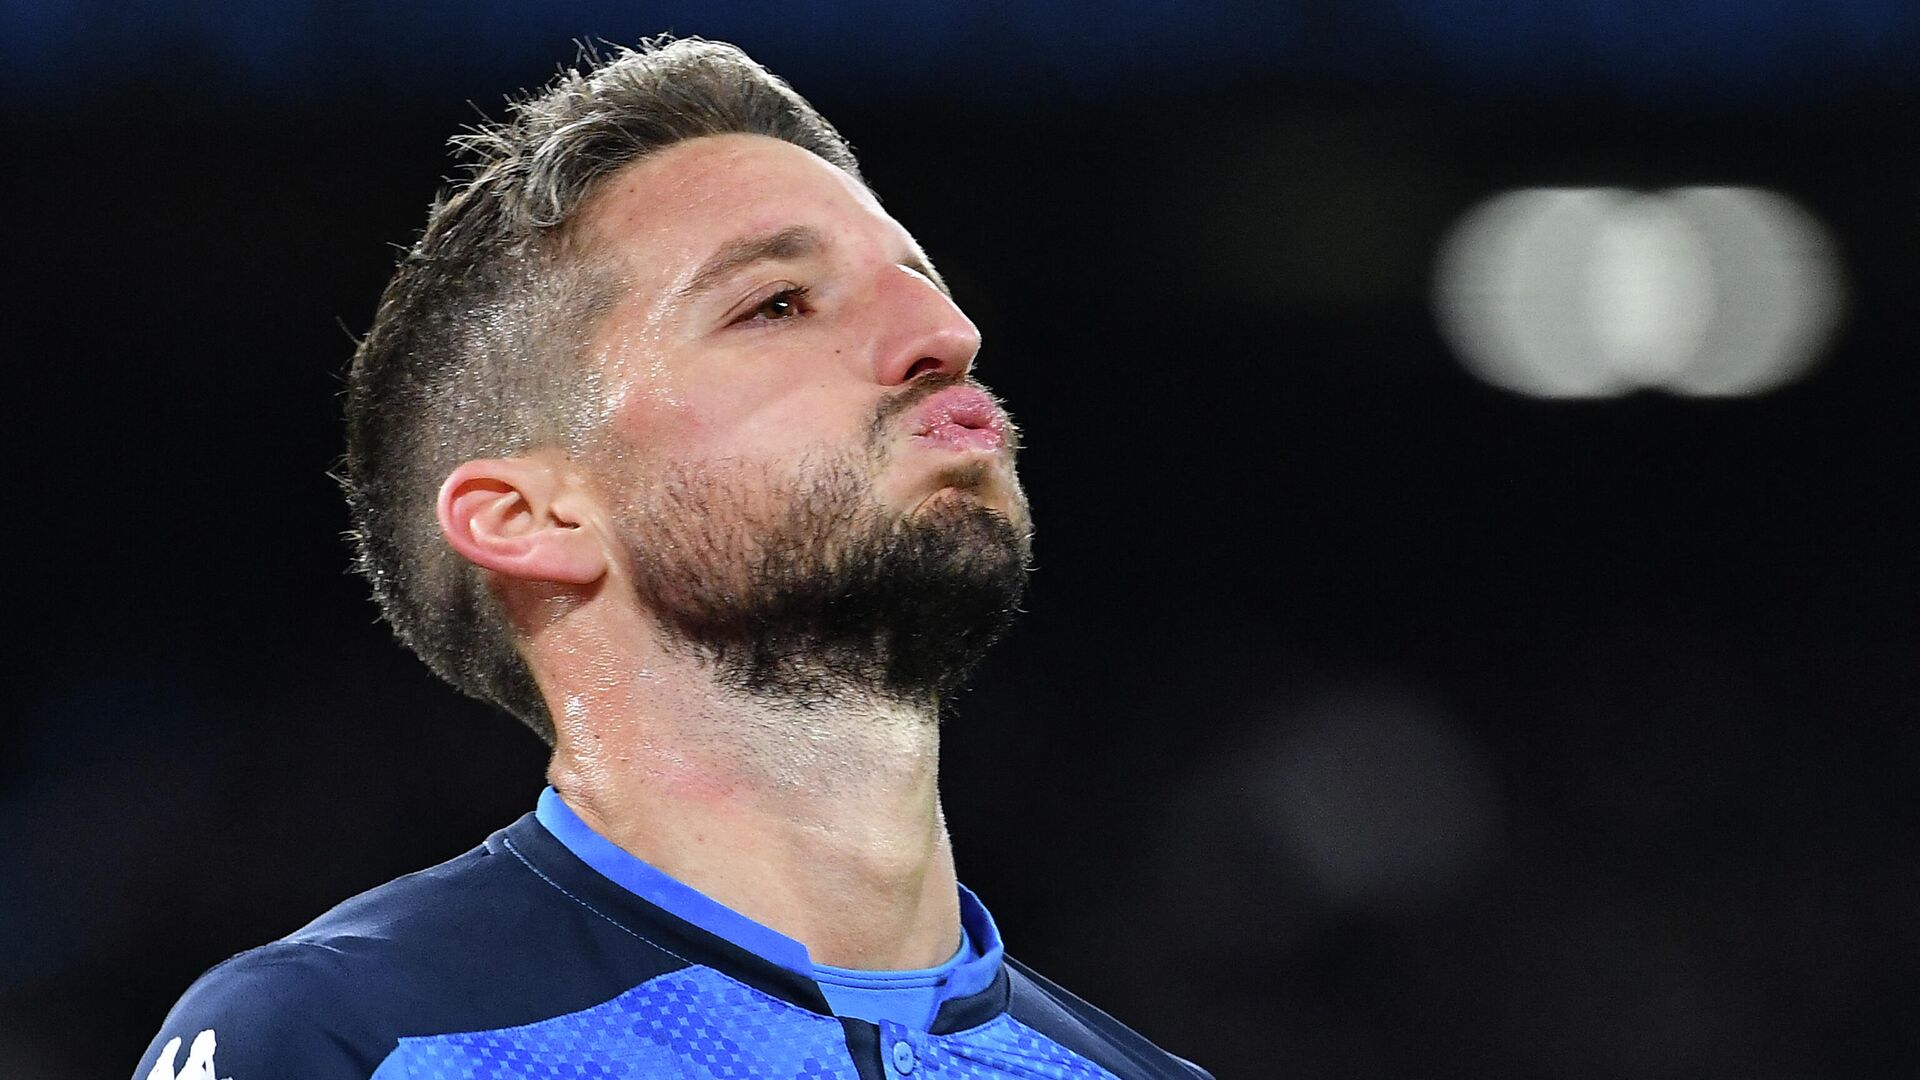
(1649, 294)
(1504, 286)
(1778, 286)
(1593, 292)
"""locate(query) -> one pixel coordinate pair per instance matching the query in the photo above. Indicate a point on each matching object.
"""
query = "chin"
(978, 480)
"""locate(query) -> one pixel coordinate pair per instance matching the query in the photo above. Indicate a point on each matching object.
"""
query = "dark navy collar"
(971, 976)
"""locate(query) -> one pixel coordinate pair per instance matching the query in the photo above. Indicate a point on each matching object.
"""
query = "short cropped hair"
(479, 346)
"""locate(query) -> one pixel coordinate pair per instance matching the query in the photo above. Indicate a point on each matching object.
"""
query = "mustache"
(919, 390)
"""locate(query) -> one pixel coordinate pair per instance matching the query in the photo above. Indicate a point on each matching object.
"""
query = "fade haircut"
(479, 346)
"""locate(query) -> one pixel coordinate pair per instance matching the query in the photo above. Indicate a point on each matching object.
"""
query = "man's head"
(666, 277)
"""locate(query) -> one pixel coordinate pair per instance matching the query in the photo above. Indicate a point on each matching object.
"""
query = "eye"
(786, 304)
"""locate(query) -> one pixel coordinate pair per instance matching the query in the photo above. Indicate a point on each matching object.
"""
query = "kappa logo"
(199, 1064)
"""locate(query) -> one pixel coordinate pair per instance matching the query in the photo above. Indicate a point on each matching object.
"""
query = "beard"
(798, 584)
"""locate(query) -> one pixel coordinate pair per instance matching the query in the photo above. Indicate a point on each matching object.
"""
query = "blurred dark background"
(1369, 719)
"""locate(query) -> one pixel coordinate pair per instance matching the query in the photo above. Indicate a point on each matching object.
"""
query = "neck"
(821, 821)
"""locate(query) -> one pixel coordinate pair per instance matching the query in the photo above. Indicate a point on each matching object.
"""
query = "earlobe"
(510, 516)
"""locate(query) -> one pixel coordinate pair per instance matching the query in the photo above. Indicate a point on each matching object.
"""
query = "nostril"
(921, 367)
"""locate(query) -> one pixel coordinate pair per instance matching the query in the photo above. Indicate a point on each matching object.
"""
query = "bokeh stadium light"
(1385, 803)
(1597, 292)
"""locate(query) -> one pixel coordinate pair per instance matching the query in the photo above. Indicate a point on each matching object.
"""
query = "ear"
(524, 518)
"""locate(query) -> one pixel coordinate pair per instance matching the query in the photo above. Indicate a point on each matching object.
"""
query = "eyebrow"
(792, 242)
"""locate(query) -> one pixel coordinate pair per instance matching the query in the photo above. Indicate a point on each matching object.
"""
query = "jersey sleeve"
(281, 1012)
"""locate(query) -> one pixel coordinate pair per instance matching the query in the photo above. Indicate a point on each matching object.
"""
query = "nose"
(922, 330)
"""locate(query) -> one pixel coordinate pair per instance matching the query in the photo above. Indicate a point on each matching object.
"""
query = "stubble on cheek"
(700, 533)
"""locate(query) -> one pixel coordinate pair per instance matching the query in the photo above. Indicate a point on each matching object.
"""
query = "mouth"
(960, 418)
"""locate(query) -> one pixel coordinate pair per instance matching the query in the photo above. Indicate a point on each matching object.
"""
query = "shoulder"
(280, 1010)
(1042, 1004)
(335, 998)
(468, 944)
(332, 999)
(480, 895)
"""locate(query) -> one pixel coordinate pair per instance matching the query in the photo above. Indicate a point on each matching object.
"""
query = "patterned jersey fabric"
(521, 960)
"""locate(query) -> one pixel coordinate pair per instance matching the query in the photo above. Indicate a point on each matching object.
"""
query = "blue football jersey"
(548, 953)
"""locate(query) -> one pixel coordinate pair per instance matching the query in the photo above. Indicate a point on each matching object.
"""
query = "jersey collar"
(973, 977)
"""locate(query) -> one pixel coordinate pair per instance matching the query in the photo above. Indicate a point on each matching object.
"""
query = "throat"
(823, 824)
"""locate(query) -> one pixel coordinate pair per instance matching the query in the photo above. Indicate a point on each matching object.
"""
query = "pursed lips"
(963, 417)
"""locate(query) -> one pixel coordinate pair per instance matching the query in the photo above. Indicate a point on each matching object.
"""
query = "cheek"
(654, 407)
(650, 403)
(747, 408)
(757, 420)
(696, 419)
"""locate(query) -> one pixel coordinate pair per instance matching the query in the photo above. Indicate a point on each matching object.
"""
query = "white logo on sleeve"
(199, 1064)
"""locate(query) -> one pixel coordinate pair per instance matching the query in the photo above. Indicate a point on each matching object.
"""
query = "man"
(664, 439)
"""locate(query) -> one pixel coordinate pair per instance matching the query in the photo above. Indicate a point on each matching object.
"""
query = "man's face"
(811, 489)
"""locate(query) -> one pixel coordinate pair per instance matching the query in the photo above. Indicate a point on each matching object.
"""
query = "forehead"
(669, 210)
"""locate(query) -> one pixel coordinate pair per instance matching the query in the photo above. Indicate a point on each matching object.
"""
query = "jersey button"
(902, 1058)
